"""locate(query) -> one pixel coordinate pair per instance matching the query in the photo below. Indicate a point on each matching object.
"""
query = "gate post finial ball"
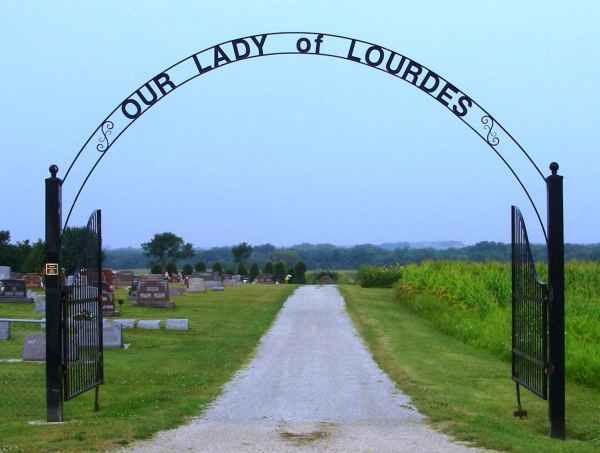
(53, 170)
(554, 168)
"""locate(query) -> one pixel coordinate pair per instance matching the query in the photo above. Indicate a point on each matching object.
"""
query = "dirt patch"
(304, 438)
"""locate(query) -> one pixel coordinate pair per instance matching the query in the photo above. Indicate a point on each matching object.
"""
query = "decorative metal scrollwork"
(488, 123)
(103, 141)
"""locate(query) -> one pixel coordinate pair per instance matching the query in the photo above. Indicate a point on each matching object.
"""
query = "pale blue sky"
(289, 149)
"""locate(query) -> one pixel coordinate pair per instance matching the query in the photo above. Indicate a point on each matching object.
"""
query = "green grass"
(161, 380)
(464, 390)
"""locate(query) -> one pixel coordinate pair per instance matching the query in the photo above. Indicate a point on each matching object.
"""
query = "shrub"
(378, 277)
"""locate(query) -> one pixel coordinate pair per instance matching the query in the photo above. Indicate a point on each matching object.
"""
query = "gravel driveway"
(312, 386)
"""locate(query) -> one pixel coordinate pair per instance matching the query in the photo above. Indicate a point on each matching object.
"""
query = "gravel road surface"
(312, 387)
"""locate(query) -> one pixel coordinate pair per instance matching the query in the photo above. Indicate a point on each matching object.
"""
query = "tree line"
(166, 250)
(172, 253)
(327, 256)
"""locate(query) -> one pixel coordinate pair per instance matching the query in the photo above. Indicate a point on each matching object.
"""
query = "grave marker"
(197, 285)
(4, 330)
(154, 292)
(148, 324)
(34, 348)
(177, 324)
(112, 337)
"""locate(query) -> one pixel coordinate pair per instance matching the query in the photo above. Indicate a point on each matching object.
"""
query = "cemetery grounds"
(163, 378)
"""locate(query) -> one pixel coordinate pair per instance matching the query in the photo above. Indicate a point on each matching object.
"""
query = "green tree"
(217, 267)
(172, 268)
(34, 261)
(241, 252)
(74, 241)
(268, 269)
(279, 272)
(188, 269)
(300, 272)
(254, 272)
(156, 269)
(200, 266)
(242, 269)
(167, 247)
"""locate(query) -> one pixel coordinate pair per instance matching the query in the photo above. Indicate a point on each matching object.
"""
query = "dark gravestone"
(124, 278)
(4, 330)
(13, 291)
(33, 281)
(154, 292)
(34, 348)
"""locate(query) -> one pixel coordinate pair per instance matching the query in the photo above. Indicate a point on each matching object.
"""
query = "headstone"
(40, 303)
(124, 323)
(196, 285)
(112, 337)
(149, 324)
(4, 330)
(177, 324)
(176, 291)
(13, 291)
(33, 281)
(34, 348)
(108, 276)
(264, 279)
(124, 278)
(217, 288)
(109, 307)
(154, 292)
(4, 272)
(210, 284)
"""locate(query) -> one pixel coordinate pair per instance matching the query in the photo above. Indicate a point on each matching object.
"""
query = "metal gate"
(529, 317)
(83, 366)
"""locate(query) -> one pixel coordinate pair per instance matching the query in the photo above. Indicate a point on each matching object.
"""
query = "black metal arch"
(378, 57)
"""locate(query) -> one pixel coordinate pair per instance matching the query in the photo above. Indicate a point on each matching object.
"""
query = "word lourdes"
(258, 45)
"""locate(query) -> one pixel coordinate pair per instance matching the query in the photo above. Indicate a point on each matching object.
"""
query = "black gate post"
(556, 315)
(54, 365)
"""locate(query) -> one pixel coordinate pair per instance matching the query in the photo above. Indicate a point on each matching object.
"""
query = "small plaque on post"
(51, 268)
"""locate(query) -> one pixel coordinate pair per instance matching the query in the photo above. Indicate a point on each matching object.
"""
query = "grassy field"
(163, 378)
(471, 301)
(464, 390)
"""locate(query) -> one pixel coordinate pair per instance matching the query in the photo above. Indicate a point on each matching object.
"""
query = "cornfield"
(472, 301)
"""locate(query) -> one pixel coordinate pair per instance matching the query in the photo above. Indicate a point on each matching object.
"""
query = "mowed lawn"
(163, 378)
(464, 391)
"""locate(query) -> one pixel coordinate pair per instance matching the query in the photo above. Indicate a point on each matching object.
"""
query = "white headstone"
(125, 323)
(149, 324)
(210, 284)
(34, 348)
(112, 337)
(40, 303)
(177, 324)
(4, 330)
(4, 272)
(196, 285)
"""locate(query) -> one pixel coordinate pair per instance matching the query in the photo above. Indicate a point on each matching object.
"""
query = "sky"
(287, 149)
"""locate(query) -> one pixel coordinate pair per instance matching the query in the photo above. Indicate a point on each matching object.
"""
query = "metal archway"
(467, 110)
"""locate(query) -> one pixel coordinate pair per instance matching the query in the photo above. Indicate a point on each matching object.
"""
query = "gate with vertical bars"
(529, 317)
(82, 317)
